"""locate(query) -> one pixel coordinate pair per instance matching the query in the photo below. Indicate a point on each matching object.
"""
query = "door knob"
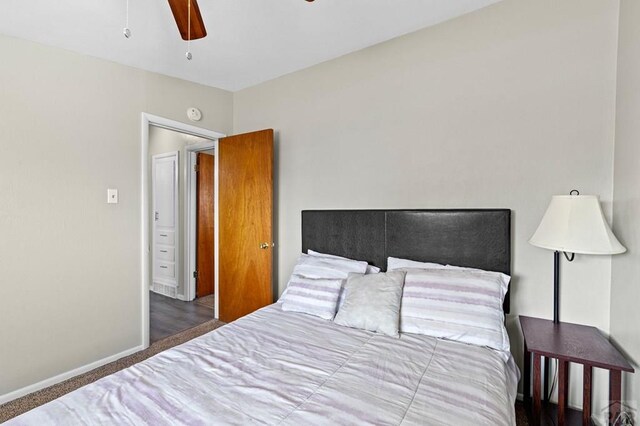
(264, 246)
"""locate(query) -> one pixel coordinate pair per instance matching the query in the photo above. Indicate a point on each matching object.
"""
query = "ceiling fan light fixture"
(188, 55)
(126, 31)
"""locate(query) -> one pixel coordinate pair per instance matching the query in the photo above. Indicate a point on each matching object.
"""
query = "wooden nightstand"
(569, 343)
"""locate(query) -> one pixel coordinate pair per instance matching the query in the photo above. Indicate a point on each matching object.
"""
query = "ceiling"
(248, 42)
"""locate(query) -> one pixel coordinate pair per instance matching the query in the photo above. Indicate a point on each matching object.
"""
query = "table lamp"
(574, 224)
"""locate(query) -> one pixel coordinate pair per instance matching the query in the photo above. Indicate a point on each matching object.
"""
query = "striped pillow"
(313, 296)
(455, 304)
(326, 267)
(370, 268)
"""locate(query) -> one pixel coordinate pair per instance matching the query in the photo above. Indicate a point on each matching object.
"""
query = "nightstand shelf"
(569, 343)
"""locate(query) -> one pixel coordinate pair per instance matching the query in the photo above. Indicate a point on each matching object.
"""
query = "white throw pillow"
(394, 263)
(372, 302)
(370, 268)
(325, 267)
(506, 279)
(455, 304)
(314, 296)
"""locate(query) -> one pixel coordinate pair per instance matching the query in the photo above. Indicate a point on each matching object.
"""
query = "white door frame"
(190, 211)
(145, 243)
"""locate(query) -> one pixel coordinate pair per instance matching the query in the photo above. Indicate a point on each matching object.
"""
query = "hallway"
(169, 316)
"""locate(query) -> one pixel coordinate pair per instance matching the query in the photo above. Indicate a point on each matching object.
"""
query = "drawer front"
(166, 237)
(166, 253)
(165, 270)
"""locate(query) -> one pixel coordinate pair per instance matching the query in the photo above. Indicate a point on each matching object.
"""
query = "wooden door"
(205, 220)
(245, 202)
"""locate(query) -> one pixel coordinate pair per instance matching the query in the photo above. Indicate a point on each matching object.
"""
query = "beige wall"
(625, 285)
(162, 141)
(69, 263)
(500, 108)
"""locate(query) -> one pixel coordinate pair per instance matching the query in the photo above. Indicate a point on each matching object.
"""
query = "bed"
(283, 368)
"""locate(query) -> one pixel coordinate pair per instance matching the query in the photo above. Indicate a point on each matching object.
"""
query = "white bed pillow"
(325, 267)
(313, 296)
(394, 263)
(372, 302)
(370, 268)
(455, 304)
(506, 279)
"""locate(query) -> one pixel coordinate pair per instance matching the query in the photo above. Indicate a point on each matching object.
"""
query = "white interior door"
(164, 181)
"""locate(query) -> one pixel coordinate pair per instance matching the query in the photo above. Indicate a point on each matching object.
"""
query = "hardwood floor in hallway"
(170, 316)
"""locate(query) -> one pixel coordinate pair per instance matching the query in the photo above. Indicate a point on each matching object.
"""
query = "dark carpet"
(521, 415)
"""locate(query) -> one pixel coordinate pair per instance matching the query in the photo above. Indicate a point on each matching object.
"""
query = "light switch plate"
(112, 196)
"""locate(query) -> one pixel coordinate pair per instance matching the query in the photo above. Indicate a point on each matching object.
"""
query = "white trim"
(181, 127)
(190, 221)
(201, 146)
(190, 216)
(146, 121)
(64, 376)
(216, 230)
(145, 243)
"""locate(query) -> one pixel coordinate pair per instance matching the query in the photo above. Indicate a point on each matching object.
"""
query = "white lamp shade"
(576, 224)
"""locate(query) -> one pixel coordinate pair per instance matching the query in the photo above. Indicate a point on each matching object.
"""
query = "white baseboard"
(67, 375)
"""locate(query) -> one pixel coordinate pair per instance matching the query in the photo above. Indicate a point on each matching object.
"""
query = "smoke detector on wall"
(194, 114)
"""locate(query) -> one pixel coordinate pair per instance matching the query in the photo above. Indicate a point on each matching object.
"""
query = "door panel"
(165, 217)
(165, 195)
(205, 225)
(245, 202)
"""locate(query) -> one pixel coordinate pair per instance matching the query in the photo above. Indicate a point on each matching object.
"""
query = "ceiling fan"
(180, 10)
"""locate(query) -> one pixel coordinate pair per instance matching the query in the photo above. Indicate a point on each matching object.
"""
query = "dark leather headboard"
(475, 238)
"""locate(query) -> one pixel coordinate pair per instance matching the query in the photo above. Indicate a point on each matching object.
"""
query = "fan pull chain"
(189, 56)
(126, 31)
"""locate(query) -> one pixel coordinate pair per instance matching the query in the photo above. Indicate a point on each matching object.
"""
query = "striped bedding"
(285, 368)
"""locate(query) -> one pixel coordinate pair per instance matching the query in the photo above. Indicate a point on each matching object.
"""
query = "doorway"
(170, 304)
(200, 211)
(242, 224)
(178, 161)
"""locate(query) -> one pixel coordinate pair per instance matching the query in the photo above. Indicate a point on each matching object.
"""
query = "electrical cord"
(553, 387)
(554, 382)
(623, 419)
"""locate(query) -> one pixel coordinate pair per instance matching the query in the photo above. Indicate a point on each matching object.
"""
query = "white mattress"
(274, 367)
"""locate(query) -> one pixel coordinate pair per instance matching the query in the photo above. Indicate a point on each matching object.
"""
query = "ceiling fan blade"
(180, 10)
